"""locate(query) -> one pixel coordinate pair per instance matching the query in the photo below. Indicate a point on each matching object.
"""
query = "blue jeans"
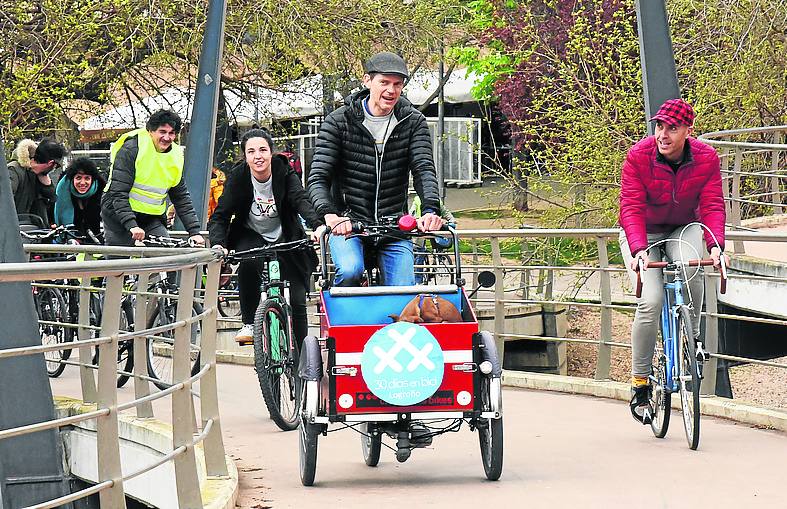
(395, 261)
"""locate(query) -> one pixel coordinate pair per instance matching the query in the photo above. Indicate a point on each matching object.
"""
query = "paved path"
(560, 451)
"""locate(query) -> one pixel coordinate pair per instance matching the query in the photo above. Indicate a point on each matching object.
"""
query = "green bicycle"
(275, 353)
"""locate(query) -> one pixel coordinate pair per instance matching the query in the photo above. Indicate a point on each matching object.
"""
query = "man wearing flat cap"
(365, 153)
(670, 182)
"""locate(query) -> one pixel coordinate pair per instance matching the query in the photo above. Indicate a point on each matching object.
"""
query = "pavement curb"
(711, 405)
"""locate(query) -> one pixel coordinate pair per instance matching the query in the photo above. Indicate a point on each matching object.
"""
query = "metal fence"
(754, 172)
(101, 389)
(533, 281)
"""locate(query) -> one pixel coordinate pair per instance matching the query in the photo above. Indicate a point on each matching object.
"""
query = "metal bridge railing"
(754, 171)
(514, 285)
(102, 390)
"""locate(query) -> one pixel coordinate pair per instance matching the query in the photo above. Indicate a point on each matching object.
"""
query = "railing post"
(604, 349)
(213, 444)
(141, 386)
(107, 426)
(86, 377)
(500, 307)
(776, 197)
(186, 477)
(735, 198)
(708, 386)
(474, 243)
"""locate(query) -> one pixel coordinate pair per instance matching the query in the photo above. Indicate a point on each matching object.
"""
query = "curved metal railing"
(513, 286)
(102, 391)
(754, 171)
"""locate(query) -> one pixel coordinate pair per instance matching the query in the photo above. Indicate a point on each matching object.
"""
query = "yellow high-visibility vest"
(156, 172)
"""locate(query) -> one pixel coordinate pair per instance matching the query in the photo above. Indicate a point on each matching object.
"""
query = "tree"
(567, 75)
(106, 52)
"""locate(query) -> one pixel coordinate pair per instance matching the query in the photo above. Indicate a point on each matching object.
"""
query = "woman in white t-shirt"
(260, 205)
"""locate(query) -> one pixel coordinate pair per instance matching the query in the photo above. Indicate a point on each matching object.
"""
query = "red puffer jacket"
(654, 199)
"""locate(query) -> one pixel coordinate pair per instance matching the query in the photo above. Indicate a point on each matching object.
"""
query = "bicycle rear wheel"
(161, 348)
(688, 379)
(276, 363)
(660, 398)
(51, 307)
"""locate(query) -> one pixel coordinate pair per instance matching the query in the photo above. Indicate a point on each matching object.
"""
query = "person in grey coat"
(31, 183)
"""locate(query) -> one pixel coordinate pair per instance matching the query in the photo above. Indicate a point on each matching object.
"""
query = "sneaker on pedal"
(245, 335)
(640, 403)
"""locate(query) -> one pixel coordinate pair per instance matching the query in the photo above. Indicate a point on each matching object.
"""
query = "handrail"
(148, 261)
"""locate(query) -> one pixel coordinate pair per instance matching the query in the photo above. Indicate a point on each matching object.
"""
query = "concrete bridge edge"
(710, 405)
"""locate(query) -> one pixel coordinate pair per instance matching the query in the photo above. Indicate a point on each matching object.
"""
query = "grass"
(558, 252)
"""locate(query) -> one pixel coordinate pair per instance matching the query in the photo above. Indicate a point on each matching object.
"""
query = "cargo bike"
(407, 382)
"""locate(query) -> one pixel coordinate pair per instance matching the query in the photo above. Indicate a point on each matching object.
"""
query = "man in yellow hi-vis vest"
(147, 167)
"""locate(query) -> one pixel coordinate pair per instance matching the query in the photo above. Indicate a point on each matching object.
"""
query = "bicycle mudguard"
(489, 352)
(310, 363)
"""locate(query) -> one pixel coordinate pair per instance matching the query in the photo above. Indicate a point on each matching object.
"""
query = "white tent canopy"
(296, 99)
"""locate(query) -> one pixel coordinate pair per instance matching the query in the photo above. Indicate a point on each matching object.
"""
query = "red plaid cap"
(675, 112)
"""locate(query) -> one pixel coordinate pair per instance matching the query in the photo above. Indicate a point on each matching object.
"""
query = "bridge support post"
(659, 77)
(735, 198)
(86, 376)
(215, 463)
(776, 197)
(604, 357)
(182, 403)
(711, 334)
(142, 386)
(500, 306)
(109, 468)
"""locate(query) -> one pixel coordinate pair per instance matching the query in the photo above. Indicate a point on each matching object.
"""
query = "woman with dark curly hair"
(78, 197)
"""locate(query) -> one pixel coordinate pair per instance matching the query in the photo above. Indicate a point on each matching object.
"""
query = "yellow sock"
(639, 381)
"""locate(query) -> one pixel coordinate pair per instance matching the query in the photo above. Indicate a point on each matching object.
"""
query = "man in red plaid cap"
(670, 183)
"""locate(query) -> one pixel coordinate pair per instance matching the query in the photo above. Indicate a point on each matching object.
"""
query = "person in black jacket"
(364, 155)
(260, 205)
(147, 168)
(78, 197)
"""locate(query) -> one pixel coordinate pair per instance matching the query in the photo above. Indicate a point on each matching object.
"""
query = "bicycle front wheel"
(276, 363)
(660, 398)
(688, 379)
(51, 307)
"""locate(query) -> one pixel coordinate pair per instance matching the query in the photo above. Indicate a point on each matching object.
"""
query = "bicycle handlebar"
(160, 241)
(40, 236)
(266, 251)
(690, 263)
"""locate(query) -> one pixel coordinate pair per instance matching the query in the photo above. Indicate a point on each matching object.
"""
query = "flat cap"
(387, 63)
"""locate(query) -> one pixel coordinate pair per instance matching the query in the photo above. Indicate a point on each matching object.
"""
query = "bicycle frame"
(278, 289)
(673, 302)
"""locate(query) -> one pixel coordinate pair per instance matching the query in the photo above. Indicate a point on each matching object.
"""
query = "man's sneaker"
(639, 404)
(245, 335)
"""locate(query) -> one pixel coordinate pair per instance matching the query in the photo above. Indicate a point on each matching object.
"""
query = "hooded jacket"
(347, 177)
(656, 199)
(30, 195)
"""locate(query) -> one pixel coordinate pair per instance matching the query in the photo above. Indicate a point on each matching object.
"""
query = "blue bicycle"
(678, 367)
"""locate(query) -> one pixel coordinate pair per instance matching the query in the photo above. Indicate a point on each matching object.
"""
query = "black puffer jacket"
(348, 178)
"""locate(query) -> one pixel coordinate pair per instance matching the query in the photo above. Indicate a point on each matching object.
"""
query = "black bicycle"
(276, 354)
(161, 347)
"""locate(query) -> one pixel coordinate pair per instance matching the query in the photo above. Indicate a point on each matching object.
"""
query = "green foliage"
(567, 75)
(109, 52)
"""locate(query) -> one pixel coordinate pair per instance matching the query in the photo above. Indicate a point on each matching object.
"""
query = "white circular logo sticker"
(402, 364)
